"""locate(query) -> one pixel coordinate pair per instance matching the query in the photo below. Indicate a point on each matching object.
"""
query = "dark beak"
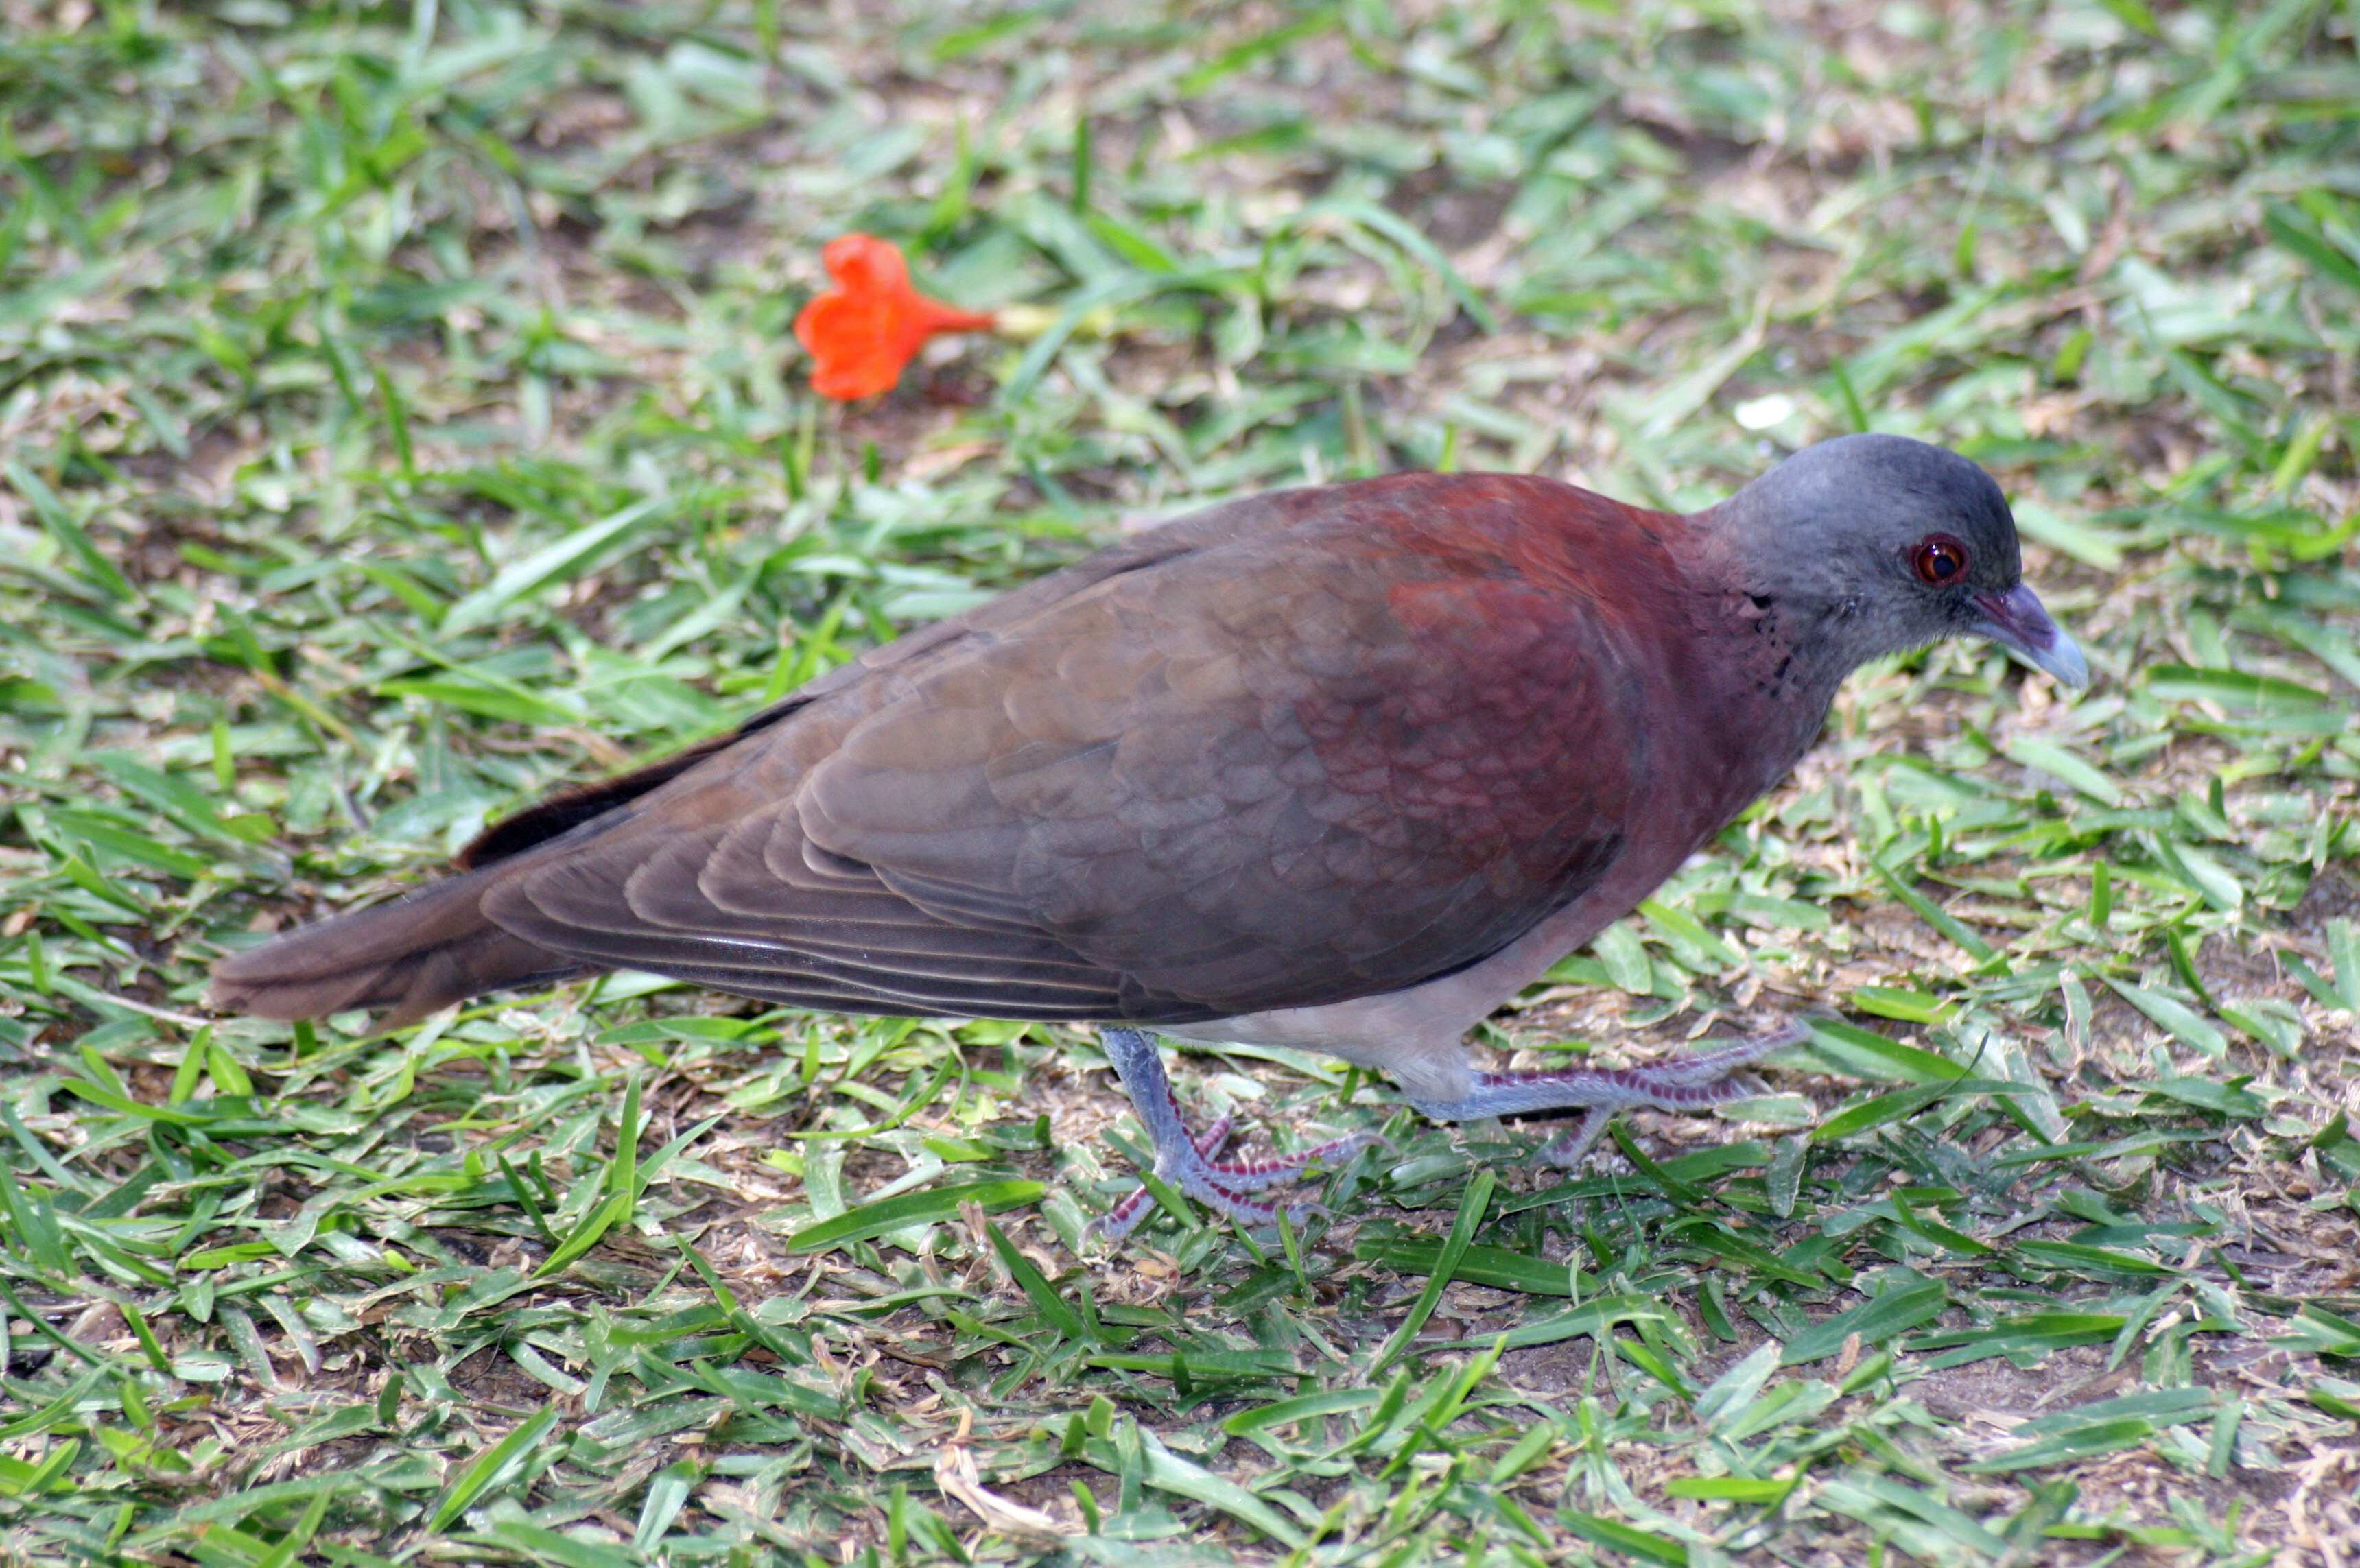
(2016, 621)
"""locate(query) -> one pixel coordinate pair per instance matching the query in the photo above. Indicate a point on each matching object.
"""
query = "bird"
(1341, 768)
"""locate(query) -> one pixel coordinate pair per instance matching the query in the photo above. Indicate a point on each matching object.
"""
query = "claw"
(1567, 1149)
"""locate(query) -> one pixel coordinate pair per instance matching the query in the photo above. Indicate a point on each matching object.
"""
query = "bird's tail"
(421, 953)
(413, 956)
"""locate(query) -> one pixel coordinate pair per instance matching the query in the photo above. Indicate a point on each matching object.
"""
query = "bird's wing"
(1282, 767)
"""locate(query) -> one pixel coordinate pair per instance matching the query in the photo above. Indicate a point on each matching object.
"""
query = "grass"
(399, 416)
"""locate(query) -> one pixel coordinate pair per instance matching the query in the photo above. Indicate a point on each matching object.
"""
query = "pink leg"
(1118, 1220)
(1186, 1161)
(1690, 1085)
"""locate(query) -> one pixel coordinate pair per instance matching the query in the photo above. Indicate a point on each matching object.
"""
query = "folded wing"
(1252, 776)
(1284, 753)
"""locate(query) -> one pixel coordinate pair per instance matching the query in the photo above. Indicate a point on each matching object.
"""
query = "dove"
(1340, 768)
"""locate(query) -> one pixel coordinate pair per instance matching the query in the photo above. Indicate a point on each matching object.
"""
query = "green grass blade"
(480, 1473)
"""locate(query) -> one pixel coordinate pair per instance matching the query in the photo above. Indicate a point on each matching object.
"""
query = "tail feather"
(412, 956)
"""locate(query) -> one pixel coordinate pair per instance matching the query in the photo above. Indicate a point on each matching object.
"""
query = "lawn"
(400, 417)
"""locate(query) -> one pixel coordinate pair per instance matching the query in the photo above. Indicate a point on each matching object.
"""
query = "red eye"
(1941, 561)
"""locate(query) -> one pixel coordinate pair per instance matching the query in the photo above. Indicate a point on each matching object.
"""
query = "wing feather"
(1286, 758)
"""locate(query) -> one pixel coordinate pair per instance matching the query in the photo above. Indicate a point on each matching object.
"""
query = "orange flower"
(866, 329)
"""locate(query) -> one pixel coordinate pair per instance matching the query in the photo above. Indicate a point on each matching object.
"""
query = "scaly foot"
(1186, 1162)
(1688, 1084)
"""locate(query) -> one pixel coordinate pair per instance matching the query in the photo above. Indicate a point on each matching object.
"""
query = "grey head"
(1873, 544)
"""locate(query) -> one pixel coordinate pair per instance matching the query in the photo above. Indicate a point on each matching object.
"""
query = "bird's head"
(1880, 544)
